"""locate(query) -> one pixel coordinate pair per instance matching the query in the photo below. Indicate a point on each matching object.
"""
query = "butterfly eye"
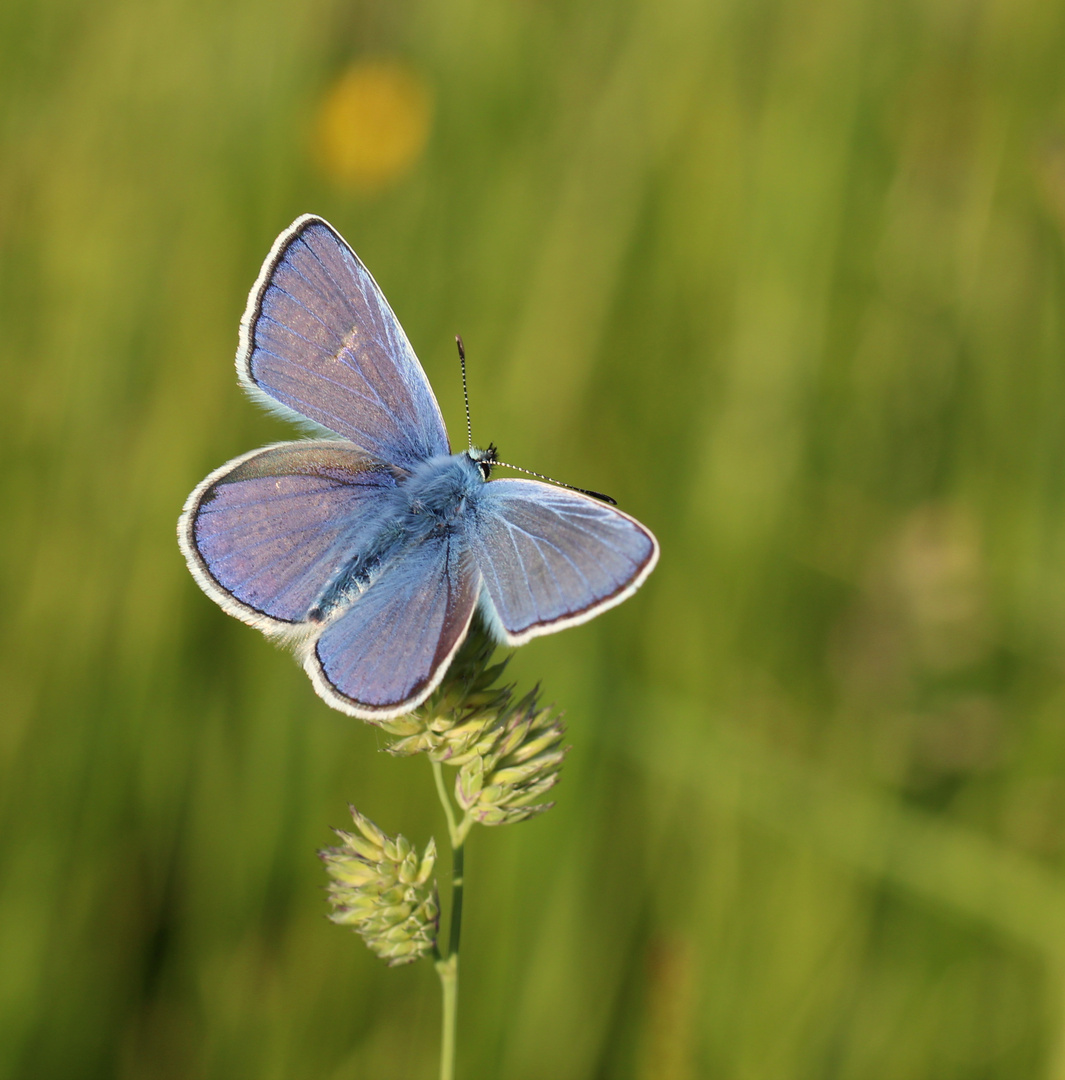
(484, 459)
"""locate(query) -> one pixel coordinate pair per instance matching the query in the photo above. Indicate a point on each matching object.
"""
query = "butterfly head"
(483, 459)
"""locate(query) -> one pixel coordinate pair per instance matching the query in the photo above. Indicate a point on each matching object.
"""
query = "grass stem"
(447, 967)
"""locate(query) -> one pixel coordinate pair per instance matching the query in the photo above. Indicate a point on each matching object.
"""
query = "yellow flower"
(372, 125)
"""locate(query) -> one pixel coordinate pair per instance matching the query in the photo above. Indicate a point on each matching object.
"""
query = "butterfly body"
(370, 550)
(432, 500)
(437, 490)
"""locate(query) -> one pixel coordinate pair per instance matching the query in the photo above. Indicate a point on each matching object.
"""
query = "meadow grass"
(785, 279)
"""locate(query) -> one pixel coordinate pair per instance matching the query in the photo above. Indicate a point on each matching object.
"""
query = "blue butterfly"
(371, 549)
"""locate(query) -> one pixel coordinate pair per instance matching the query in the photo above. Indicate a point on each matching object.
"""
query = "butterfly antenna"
(465, 392)
(540, 476)
(490, 461)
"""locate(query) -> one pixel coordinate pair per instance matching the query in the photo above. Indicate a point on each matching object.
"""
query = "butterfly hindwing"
(267, 532)
(319, 339)
(388, 650)
(551, 557)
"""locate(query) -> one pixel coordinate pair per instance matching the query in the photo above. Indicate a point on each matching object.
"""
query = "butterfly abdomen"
(355, 576)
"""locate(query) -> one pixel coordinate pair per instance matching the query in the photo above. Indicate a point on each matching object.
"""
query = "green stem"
(445, 802)
(448, 967)
(448, 970)
(457, 858)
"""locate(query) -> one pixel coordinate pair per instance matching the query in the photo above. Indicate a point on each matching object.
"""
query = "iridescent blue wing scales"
(319, 339)
(265, 534)
(551, 557)
(387, 652)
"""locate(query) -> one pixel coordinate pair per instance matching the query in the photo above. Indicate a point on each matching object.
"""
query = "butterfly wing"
(551, 557)
(264, 534)
(388, 651)
(319, 339)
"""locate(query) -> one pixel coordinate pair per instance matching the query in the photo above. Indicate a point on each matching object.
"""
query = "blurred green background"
(787, 279)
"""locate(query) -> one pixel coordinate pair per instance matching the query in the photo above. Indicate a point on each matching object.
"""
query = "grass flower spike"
(517, 759)
(380, 888)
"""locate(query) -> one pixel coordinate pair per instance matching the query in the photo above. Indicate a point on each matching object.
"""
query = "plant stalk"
(448, 970)
(447, 967)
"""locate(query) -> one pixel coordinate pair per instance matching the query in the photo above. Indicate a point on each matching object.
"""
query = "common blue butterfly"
(370, 550)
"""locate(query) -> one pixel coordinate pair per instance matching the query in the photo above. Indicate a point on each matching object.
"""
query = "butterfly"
(370, 548)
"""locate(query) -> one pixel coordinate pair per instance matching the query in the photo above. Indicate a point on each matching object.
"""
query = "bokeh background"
(787, 279)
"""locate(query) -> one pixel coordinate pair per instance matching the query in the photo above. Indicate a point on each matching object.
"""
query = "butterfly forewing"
(319, 339)
(266, 533)
(552, 558)
(390, 648)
